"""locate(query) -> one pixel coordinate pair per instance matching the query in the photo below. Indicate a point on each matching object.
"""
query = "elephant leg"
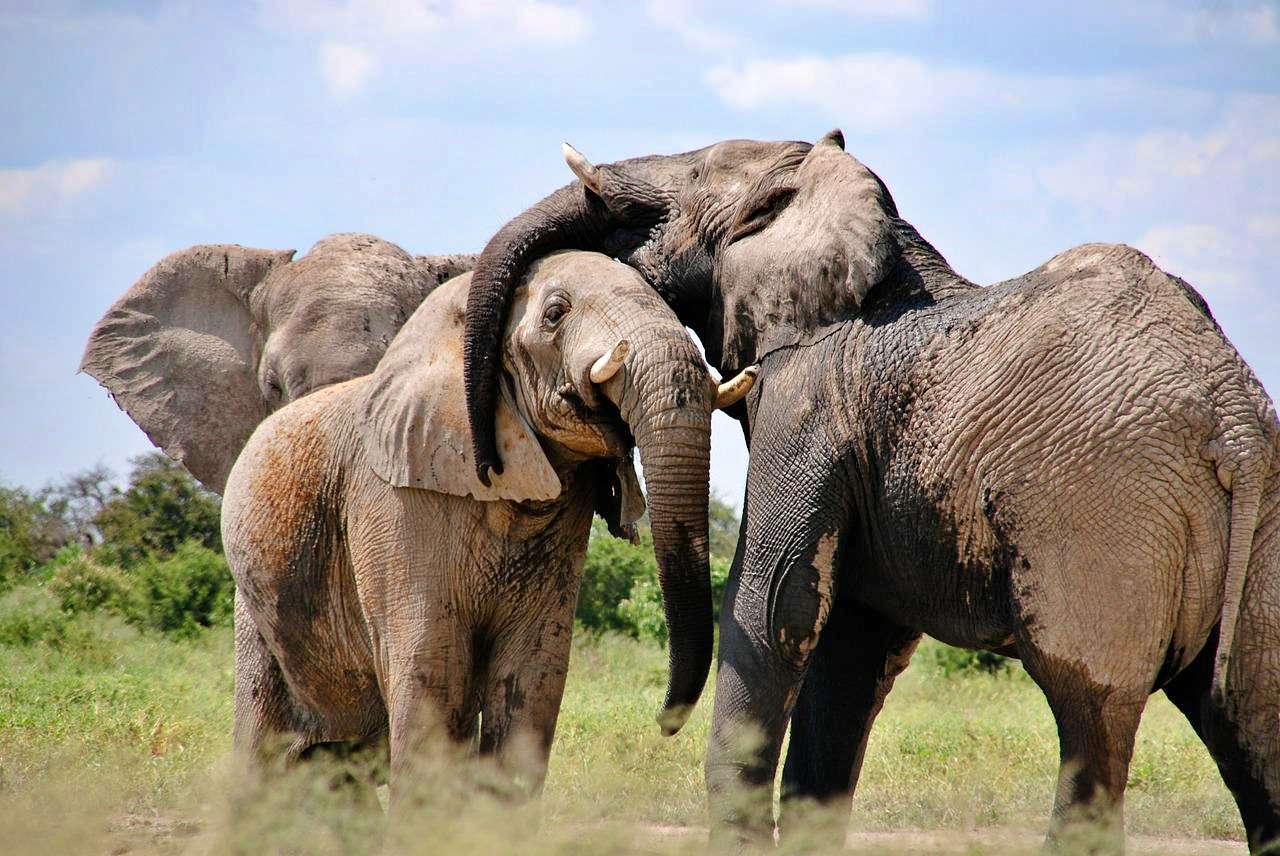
(776, 605)
(430, 704)
(1097, 724)
(521, 699)
(1242, 759)
(852, 669)
(266, 721)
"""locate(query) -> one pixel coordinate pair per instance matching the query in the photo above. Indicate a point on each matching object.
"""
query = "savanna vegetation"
(116, 705)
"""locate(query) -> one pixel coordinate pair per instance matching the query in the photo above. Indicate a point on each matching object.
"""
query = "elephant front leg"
(522, 695)
(776, 605)
(431, 709)
(849, 675)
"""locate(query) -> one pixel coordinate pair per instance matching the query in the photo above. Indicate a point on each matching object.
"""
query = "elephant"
(1073, 467)
(384, 591)
(215, 337)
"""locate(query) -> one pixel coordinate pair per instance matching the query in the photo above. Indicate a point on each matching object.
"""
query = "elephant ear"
(803, 253)
(178, 353)
(414, 416)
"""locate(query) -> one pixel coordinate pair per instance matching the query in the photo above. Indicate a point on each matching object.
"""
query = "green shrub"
(641, 614)
(31, 532)
(163, 508)
(82, 585)
(29, 615)
(611, 569)
(181, 594)
(961, 661)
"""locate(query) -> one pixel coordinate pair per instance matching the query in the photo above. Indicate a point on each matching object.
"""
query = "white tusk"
(582, 168)
(608, 364)
(733, 391)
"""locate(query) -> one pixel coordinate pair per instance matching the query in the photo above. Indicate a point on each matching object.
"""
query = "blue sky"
(1007, 132)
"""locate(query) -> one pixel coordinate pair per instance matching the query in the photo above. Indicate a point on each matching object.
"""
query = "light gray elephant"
(215, 337)
(382, 588)
(1074, 467)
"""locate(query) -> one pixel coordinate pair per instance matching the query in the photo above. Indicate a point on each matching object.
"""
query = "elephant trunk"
(674, 440)
(568, 218)
(575, 217)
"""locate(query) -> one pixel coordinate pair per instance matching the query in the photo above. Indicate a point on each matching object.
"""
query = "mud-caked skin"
(215, 337)
(1073, 467)
(381, 589)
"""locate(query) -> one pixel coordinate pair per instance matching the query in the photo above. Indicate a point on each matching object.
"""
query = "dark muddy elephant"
(382, 590)
(1073, 467)
(215, 337)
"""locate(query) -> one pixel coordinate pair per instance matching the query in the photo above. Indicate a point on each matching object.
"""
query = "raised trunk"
(675, 448)
(568, 218)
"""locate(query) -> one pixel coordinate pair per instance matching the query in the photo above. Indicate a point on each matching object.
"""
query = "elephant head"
(215, 337)
(593, 362)
(752, 243)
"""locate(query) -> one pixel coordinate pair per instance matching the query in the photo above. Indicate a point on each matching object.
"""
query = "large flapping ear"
(178, 354)
(414, 418)
(813, 247)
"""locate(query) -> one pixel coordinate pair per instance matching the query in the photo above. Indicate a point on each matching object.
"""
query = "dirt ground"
(143, 834)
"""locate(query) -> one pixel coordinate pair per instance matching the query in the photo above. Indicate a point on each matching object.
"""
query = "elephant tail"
(1244, 475)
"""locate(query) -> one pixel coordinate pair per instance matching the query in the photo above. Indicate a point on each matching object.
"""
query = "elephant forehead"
(738, 155)
(577, 269)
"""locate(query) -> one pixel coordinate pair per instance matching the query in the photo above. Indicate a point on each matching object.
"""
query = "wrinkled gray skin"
(215, 337)
(381, 589)
(1073, 467)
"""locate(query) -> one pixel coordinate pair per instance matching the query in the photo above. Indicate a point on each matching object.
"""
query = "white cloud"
(881, 90)
(1189, 241)
(870, 8)
(1110, 172)
(527, 20)
(400, 31)
(1240, 24)
(678, 16)
(53, 181)
(405, 21)
(346, 68)
(1265, 227)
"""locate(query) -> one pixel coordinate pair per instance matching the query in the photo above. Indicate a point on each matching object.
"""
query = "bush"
(30, 534)
(163, 508)
(641, 614)
(82, 585)
(29, 615)
(961, 661)
(612, 566)
(181, 594)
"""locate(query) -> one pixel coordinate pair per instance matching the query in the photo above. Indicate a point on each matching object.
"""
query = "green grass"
(103, 727)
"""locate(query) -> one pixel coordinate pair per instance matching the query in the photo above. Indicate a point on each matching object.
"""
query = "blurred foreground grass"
(115, 740)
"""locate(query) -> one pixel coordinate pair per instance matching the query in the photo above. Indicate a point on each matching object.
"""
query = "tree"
(31, 532)
(162, 508)
(82, 497)
(722, 528)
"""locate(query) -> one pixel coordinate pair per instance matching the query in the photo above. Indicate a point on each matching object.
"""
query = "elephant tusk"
(733, 391)
(608, 364)
(582, 168)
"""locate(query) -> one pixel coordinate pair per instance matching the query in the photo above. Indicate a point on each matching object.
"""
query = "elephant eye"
(554, 314)
(761, 211)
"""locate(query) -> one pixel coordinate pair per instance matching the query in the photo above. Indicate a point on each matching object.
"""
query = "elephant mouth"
(601, 418)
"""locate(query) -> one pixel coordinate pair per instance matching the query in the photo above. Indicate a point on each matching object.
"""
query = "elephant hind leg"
(1243, 735)
(1242, 762)
(1097, 725)
(850, 673)
(267, 724)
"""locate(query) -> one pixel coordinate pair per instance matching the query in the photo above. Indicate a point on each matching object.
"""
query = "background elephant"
(389, 590)
(1073, 467)
(215, 337)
